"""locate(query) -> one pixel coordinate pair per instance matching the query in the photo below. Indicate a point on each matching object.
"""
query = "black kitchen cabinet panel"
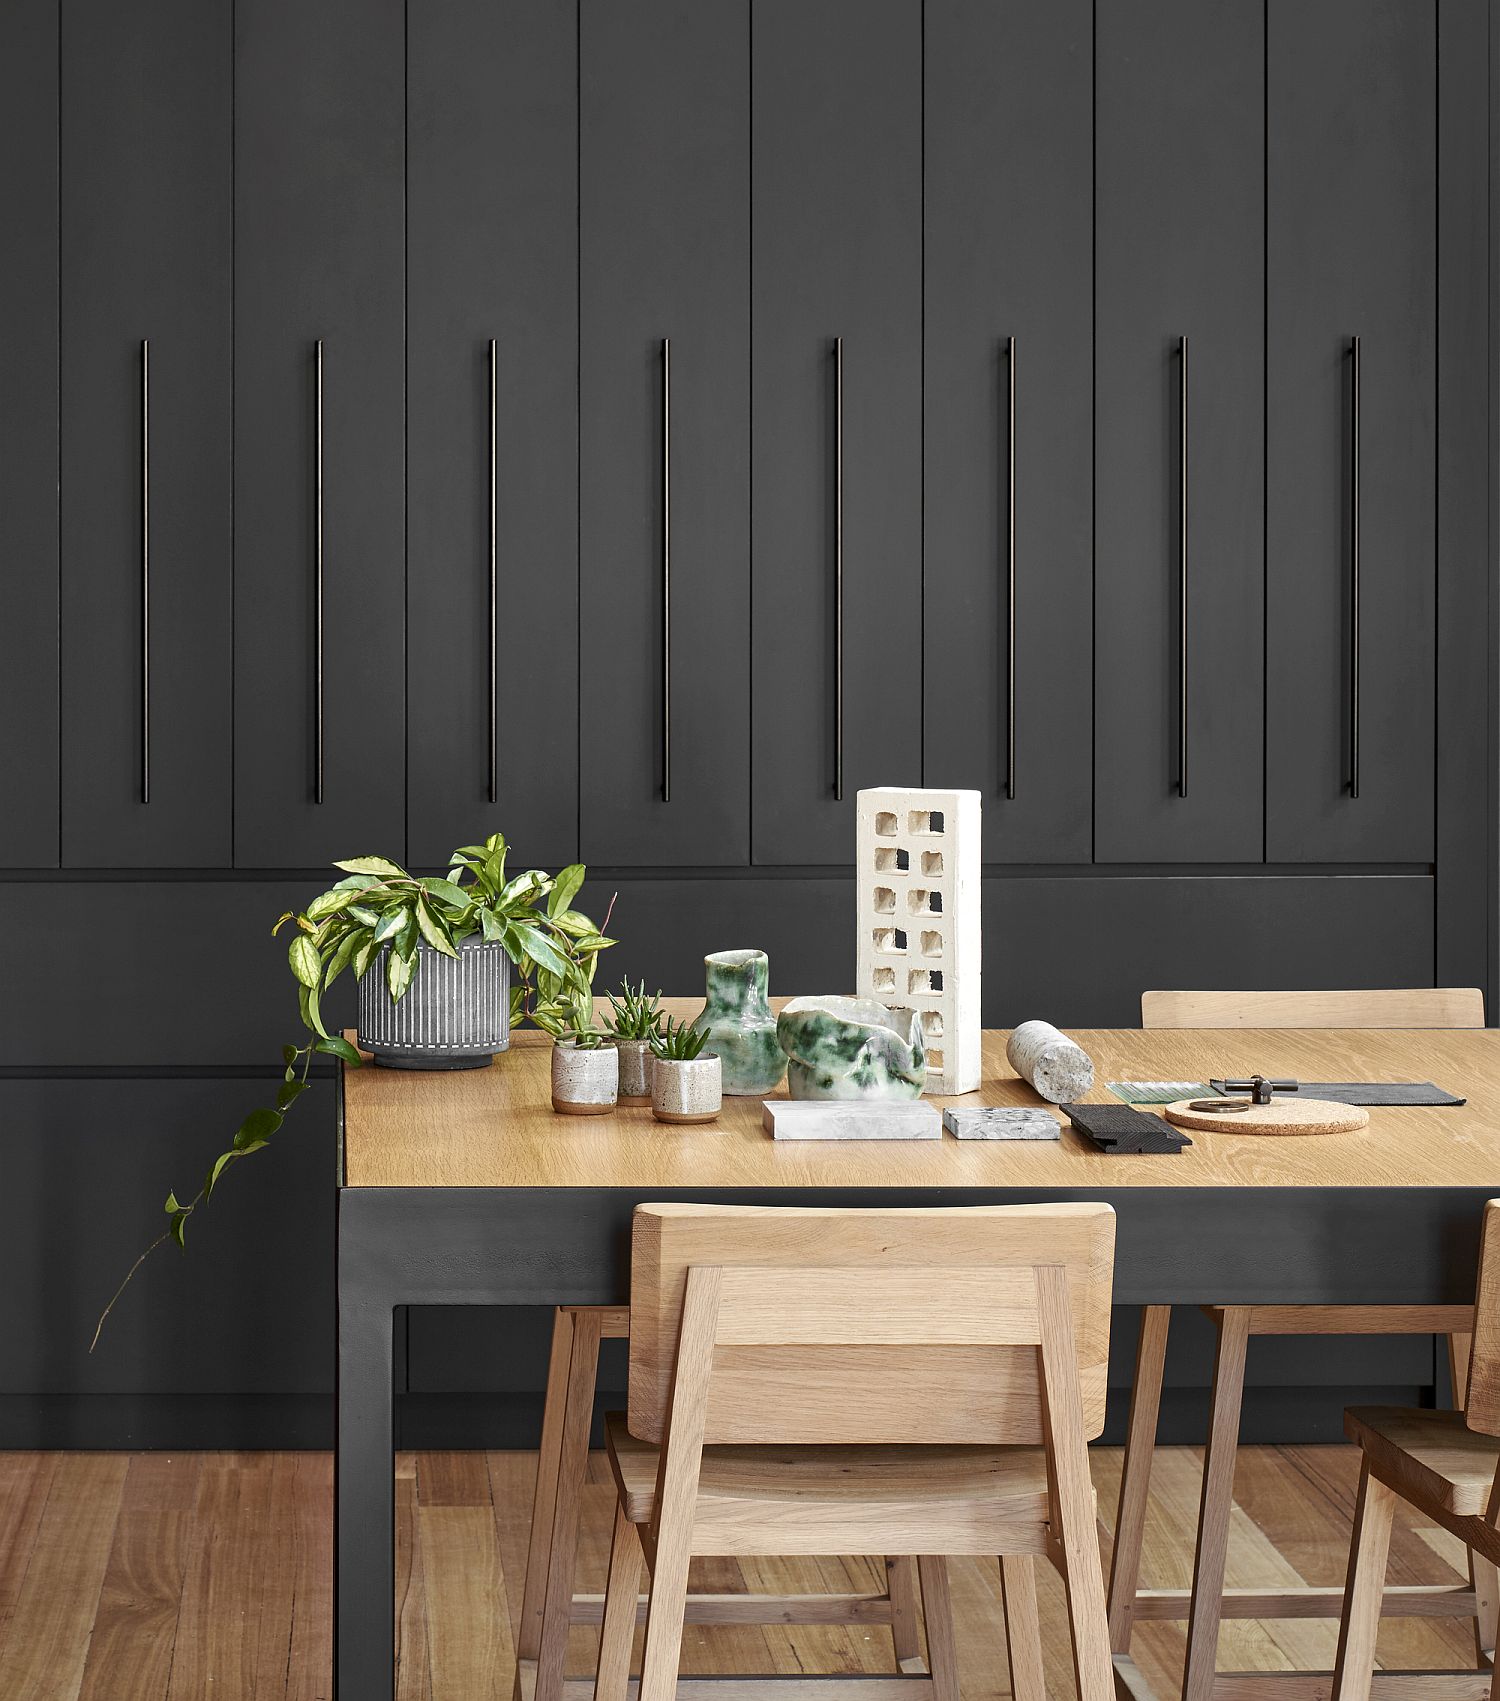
(247, 1308)
(492, 259)
(1351, 253)
(146, 446)
(319, 251)
(1008, 248)
(664, 442)
(1179, 149)
(837, 198)
(28, 435)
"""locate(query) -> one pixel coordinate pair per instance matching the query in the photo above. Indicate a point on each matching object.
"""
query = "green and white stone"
(851, 1048)
(741, 1028)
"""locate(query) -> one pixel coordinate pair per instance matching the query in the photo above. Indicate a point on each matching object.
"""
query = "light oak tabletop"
(494, 1127)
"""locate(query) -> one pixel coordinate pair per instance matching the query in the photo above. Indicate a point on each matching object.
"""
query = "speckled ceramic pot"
(686, 1089)
(585, 1079)
(851, 1048)
(737, 1016)
(635, 1070)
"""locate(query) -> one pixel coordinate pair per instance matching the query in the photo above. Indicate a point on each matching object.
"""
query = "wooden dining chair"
(549, 1603)
(823, 1381)
(1443, 1463)
(1420, 1007)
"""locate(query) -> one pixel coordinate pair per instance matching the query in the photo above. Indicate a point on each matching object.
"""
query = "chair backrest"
(1380, 1007)
(870, 1326)
(1482, 1406)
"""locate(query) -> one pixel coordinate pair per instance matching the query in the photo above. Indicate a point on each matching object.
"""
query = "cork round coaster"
(1286, 1114)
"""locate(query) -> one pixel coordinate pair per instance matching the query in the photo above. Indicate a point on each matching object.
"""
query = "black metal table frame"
(547, 1246)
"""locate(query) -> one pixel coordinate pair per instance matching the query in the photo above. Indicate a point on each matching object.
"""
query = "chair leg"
(1215, 1505)
(901, 1586)
(1023, 1629)
(617, 1634)
(544, 1501)
(664, 1614)
(1071, 1491)
(1364, 1589)
(1483, 1576)
(1135, 1478)
(572, 1468)
(937, 1611)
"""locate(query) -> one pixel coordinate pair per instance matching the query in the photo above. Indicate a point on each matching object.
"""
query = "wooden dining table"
(465, 1189)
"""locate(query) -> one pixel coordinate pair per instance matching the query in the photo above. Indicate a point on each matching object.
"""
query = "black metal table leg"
(364, 1536)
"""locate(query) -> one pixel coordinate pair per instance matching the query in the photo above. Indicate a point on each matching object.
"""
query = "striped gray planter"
(455, 1013)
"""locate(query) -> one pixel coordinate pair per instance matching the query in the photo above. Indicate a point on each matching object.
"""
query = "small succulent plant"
(678, 1042)
(634, 1014)
(588, 1039)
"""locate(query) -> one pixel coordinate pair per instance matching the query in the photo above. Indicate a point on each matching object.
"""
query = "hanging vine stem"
(378, 913)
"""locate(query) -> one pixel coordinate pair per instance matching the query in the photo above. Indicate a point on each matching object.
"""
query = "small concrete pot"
(585, 1079)
(635, 1070)
(686, 1089)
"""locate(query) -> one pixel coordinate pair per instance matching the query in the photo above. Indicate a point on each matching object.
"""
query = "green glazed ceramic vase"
(851, 1048)
(740, 1026)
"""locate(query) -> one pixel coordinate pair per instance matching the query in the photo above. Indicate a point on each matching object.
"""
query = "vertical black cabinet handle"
(145, 570)
(1354, 567)
(318, 572)
(1182, 566)
(666, 569)
(494, 578)
(838, 569)
(1010, 566)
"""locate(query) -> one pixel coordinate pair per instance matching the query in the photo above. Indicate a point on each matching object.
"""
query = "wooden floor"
(206, 1577)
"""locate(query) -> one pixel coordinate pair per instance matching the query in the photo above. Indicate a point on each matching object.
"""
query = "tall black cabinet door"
(146, 372)
(28, 435)
(320, 727)
(664, 445)
(1008, 321)
(1351, 253)
(1179, 148)
(837, 470)
(492, 427)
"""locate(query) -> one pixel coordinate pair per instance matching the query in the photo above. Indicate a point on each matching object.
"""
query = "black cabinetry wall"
(622, 424)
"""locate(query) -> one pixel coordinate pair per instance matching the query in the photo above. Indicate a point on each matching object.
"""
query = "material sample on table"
(850, 1119)
(1116, 1130)
(1160, 1092)
(1000, 1122)
(1368, 1092)
(1287, 1114)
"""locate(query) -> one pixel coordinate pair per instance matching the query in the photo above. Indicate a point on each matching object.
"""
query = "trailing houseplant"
(380, 911)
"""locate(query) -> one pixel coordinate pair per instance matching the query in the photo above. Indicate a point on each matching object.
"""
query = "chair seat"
(968, 1488)
(1434, 1455)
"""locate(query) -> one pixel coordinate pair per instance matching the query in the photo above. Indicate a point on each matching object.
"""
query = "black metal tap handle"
(1258, 1087)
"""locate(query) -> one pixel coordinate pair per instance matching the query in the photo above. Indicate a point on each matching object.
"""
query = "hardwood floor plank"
(135, 1629)
(413, 1665)
(47, 1639)
(310, 1650)
(470, 1650)
(234, 1632)
(25, 1480)
(453, 1479)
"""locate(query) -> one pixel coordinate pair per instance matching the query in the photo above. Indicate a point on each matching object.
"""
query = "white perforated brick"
(917, 859)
